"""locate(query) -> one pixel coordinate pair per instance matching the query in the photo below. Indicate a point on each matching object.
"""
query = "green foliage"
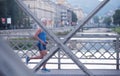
(117, 29)
(2, 9)
(107, 20)
(96, 19)
(63, 33)
(116, 17)
(9, 8)
(23, 46)
(22, 43)
(74, 17)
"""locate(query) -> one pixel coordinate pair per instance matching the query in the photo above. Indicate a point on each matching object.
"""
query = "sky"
(88, 5)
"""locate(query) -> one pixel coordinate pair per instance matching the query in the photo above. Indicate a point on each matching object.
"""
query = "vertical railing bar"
(59, 60)
(117, 52)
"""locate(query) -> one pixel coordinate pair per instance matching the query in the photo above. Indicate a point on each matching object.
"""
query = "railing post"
(59, 61)
(117, 52)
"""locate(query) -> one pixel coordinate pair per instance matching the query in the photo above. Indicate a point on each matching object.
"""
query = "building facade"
(43, 9)
(79, 13)
(55, 14)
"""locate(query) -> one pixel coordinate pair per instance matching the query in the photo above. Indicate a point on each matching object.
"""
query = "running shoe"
(46, 70)
(27, 59)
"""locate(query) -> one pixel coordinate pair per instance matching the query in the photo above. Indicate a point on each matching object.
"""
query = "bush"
(117, 29)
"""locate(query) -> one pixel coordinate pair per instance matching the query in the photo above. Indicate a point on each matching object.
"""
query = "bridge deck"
(96, 72)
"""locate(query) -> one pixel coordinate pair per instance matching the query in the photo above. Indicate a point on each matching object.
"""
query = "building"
(60, 1)
(43, 9)
(79, 13)
(67, 12)
(55, 14)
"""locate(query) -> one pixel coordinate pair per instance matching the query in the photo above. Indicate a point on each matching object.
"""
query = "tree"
(2, 13)
(10, 9)
(96, 19)
(74, 17)
(17, 15)
(116, 17)
(107, 21)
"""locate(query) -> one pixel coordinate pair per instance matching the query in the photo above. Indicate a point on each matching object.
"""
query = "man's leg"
(37, 57)
(44, 53)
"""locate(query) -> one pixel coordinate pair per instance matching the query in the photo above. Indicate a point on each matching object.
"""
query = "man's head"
(44, 21)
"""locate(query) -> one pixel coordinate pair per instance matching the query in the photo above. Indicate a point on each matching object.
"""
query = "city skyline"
(87, 5)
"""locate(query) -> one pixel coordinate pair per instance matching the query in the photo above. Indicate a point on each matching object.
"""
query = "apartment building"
(55, 14)
(43, 9)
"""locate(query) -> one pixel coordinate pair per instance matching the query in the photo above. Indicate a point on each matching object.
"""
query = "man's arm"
(36, 36)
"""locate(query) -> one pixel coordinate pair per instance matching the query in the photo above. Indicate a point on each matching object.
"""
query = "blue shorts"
(41, 47)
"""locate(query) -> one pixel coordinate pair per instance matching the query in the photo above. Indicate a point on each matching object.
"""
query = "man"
(40, 35)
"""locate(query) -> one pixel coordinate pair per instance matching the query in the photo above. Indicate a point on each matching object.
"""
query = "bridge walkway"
(75, 72)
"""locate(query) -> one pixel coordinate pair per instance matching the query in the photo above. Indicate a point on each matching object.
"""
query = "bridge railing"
(96, 52)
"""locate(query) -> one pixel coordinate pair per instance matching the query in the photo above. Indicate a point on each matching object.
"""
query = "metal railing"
(102, 50)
